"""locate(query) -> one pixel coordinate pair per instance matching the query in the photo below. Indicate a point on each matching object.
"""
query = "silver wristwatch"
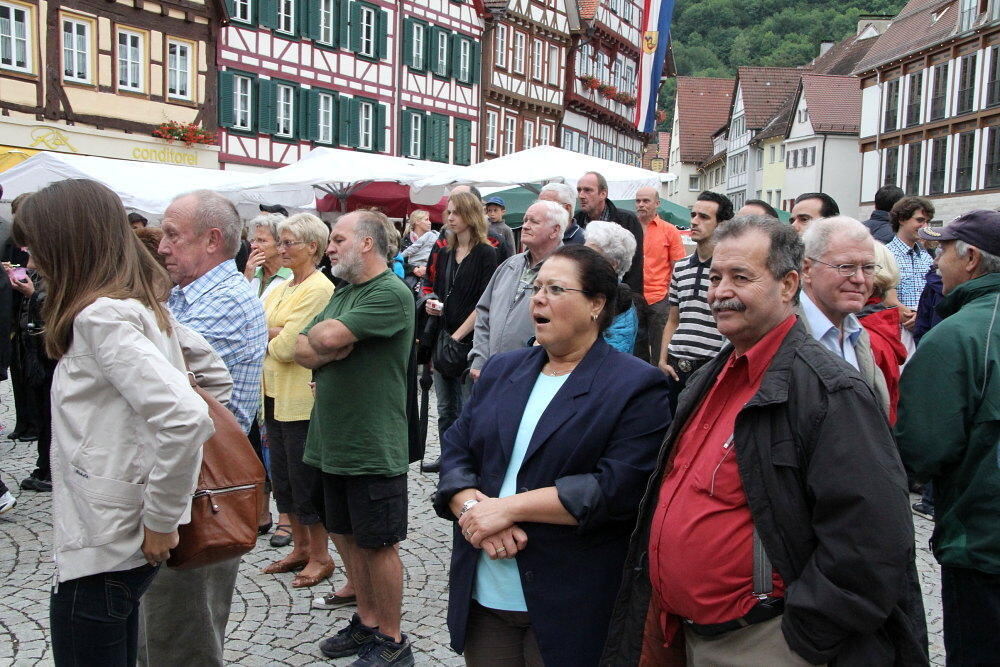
(466, 506)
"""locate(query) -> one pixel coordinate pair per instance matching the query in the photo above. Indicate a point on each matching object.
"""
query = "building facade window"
(939, 96)
(368, 42)
(993, 83)
(964, 166)
(518, 61)
(529, 134)
(324, 118)
(441, 61)
(417, 44)
(939, 162)
(130, 61)
(286, 16)
(537, 65)
(891, 166)
(992, 179)
(179, 70)
(916, 98)
(694, 183)
(464, 60)
(553, 65)
(500, 52)
(366, 126)
(510, 135)
(491, 132)
(326, 24)
(891, 105)
(242, 102)
(76, 51)
(242, 11)
(284, 111)
(914, 160)
(415, 142)
(544, 134)
(965, 101)
(14, 37)
(967, 14)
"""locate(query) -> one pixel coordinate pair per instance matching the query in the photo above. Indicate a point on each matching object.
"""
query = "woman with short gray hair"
(264, 269)
(617, 244)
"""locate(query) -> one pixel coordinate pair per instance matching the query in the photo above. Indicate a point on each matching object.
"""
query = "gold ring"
(502, 549)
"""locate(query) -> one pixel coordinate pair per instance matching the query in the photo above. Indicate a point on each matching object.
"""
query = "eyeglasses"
(850, 270)
(286, 244)
(554, 290)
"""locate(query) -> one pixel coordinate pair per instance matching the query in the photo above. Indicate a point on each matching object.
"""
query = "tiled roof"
(765, 89)
(702, 107)
(844, 56)
(913, 29)
(664, 141)
(834, 102)
(778, 126)
(721, 155)
(588, 8)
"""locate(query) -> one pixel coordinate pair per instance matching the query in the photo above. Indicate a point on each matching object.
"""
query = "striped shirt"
(696, 337)
(913, 266)
(221, 307)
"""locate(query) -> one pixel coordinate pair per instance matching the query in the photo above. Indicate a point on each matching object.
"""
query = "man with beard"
(359, 346)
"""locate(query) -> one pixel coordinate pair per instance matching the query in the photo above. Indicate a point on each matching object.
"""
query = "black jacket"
(829, 497)
(880, 227)
(460, 287)
(627, 220)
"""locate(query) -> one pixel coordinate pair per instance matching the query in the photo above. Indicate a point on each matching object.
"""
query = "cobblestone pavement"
(272, 623)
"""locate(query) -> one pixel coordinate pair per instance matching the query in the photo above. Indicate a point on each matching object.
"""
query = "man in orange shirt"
(661, 247)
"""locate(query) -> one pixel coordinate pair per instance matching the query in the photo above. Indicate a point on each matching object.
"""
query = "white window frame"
(442, 53)
(553, 65)
(491, 132)
(537, 64)
(327, 30)
(416, 138)
(967, 12)
(529, 134)
(76, 50)
(324, 118)
(464, 60)
(500, 52)
(126, 63)
(368, 43)
(517, 62)
(284, 111)
(419, 42)
(545, 135)
(13, 44)
(243, 10)
(509, 135)
(242, 103)
(175, 71)
(366, 126)
(286, 16)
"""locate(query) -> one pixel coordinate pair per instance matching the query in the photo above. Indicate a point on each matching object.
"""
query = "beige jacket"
(127, 431)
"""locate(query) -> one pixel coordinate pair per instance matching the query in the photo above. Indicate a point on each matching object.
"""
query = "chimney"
(824, 47)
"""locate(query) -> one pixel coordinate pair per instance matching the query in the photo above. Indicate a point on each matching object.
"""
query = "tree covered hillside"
(714, 37)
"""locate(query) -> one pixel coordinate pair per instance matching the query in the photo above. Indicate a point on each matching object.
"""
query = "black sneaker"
(35, 482)
(383, 651)
(348, 641)
(926, 510)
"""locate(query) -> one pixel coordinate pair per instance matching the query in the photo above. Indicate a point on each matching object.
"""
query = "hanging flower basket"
(661, 116)
(625, 98)
(607, 90)
(589, 81)
(189, 133)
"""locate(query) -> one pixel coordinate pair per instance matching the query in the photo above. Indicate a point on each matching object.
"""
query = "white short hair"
(816, 238)
(614, 242)
(564, 193)
(554, 213)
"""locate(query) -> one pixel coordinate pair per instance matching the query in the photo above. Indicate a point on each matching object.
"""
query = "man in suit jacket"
(837, 276)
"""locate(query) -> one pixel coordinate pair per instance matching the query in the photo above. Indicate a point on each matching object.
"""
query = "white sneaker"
(7, 502)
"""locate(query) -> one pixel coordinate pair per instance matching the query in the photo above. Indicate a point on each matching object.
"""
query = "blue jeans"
(95, 619)
(451, 396)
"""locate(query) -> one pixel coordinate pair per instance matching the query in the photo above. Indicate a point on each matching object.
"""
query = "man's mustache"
(733, 304)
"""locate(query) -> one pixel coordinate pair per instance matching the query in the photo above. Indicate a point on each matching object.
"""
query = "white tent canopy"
(543, 164)
(143, 186)
(340, 172)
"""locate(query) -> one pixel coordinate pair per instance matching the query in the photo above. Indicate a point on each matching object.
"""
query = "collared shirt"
(221, 307)
(661, 247)
(701, 535)
(697, 336)
(826, 332)
(262, 286)
(913, 266)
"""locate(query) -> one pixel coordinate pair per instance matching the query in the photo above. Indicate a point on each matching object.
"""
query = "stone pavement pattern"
(272, 623)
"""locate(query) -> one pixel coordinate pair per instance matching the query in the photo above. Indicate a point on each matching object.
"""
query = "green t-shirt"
(358, 424)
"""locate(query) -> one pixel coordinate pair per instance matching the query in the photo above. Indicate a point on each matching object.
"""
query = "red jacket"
(882, 324)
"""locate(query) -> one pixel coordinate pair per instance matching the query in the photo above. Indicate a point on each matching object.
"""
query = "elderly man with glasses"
(837, 276)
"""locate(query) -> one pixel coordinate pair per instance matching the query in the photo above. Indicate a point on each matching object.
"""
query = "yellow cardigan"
(292, 307)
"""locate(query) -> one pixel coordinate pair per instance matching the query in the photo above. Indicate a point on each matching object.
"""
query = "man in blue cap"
(949, 432)
(495, 209)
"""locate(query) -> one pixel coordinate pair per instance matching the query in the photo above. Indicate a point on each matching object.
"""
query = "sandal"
(279, 566)
(282, 535)
(303, 581)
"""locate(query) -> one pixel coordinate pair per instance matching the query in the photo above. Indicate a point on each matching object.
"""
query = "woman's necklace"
(552, 373)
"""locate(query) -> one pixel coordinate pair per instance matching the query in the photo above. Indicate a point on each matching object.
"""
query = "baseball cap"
(495, 200)
(977, 228)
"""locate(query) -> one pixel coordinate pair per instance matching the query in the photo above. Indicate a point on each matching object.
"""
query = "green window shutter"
(408, 27)
(308, 14)
(379, 129)
(440, 65)
(344, 120)
(267, 13)
(304, 113)
(354, 123)
(312, 114)
(230, 8)
(344, 23)
(477, 62)
(454, 46)
(227, 99)
(265, 107)
(382, 34)
(355, 27)
(463, 141)
(437, 147)
(405, 128)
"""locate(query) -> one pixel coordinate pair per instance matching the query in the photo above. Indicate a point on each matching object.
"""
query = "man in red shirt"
(776, 530)
(662, 247)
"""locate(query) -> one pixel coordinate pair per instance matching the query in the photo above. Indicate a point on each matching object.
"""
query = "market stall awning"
(544, 164)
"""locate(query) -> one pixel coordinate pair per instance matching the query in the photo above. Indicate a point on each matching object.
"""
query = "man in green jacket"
(949, 429)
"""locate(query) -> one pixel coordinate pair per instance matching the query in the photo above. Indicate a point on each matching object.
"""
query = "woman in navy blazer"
(544, 471)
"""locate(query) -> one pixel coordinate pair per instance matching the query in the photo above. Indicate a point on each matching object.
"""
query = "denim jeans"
(451, 396)
(95, 619)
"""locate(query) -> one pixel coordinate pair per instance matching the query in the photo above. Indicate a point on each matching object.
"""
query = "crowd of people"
(649, 454)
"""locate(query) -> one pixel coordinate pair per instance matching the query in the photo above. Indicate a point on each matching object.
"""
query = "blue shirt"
(498, 582)
(221, 307)
(827, 334)
(913, 266)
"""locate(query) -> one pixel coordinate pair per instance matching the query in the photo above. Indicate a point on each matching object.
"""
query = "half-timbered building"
(601, 80)
(525, 48)
(97, 78)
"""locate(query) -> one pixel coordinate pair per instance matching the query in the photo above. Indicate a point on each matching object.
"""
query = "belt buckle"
(685, 365)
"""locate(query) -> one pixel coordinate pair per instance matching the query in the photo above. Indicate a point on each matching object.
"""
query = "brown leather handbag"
(226, 500)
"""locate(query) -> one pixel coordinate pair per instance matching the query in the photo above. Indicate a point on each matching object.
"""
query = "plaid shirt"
(221, 307)
(913, 266)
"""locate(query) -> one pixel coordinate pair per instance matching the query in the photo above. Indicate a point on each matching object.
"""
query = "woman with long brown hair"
(127, 428)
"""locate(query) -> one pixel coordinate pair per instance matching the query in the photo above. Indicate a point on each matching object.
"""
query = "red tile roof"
(664, 144)
(844, 56)
(834, 102)
(765, 89)
(702, 107)
(588, 8)
(778, 126)
(913, 29)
